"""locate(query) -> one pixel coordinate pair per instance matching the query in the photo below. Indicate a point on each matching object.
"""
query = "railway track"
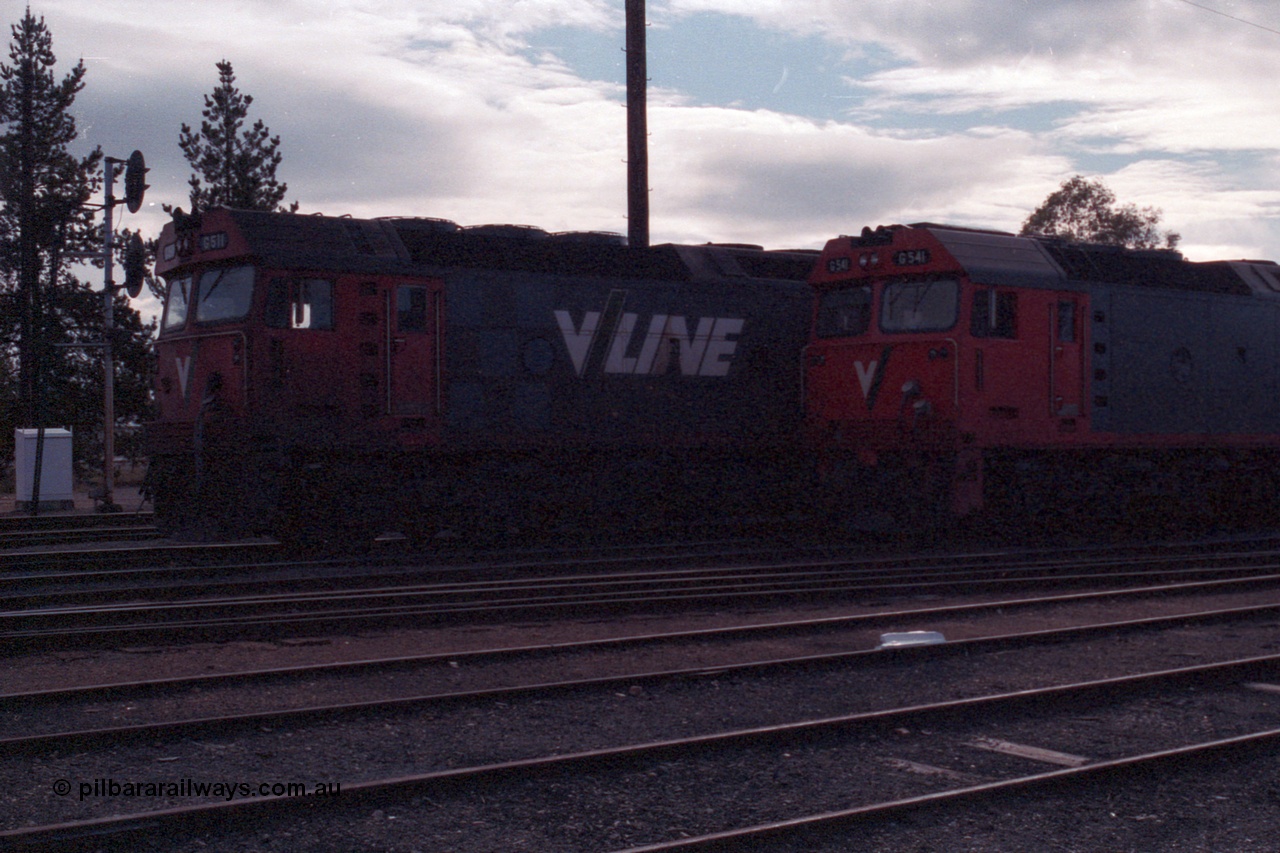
(136, 697)
(918, 754)
(205, 602)
(1175, 601)
(26, 532)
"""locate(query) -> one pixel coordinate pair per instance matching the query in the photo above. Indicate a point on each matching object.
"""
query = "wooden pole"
(637, 128)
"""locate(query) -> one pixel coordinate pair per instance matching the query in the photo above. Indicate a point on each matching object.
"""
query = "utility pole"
(135, 186)
(108, 359)
(637, 128)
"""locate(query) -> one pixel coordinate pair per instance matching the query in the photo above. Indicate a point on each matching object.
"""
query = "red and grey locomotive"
(952, 370)
(325, 378)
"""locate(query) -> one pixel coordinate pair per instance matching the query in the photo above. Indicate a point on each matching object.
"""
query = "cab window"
(175, 305)
(919, 306)
(224, 294)
(995, 314)
(844, 312)
(299, 303)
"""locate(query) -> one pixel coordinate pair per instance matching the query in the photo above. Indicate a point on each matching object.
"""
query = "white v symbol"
(866, 373)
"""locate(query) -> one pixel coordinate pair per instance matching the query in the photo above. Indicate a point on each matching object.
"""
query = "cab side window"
(300, 303)
(995, 314)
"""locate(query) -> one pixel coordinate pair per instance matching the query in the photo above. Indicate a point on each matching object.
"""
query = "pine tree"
(45, 214)
(43, 190)
(232, 168)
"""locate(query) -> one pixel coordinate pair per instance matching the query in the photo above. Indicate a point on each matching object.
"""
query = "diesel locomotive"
(323, 379)
(955, 370)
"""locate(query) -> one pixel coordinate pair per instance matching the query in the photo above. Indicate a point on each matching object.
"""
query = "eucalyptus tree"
(1085, 210)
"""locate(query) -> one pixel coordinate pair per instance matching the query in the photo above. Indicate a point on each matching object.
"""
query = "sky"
(776, 122)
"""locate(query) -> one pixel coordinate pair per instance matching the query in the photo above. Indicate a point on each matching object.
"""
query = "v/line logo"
(866, 373)
(183, 364)
(665, 344)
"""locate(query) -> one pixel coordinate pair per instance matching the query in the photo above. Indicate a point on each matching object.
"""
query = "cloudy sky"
(779, 122)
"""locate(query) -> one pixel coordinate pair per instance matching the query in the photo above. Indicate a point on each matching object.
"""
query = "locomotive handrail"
(955, 375)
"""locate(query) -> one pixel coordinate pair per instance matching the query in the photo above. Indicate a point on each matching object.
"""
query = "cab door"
(413, 345)
(1066, 357)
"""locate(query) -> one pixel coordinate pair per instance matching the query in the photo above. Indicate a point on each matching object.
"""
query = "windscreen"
(844, 312)
(224, 294)
(919, 306)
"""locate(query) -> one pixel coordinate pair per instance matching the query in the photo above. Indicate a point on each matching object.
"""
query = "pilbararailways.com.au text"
(225, 790)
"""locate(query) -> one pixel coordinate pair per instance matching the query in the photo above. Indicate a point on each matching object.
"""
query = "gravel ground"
(1224, 806)
(1232, 810)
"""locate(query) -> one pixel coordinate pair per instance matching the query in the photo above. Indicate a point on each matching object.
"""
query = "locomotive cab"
(930, 345)
(269, 360)
(955, 370)
(203, 351)
(205, 313)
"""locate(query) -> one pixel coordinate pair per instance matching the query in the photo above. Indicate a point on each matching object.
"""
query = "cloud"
(765, 177)
(1162, 99)
(967, 112)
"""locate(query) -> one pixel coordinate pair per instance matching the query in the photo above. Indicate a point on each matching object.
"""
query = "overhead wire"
(1232, 17)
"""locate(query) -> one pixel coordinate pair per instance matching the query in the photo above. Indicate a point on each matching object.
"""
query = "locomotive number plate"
(213, 242)
(911, 257)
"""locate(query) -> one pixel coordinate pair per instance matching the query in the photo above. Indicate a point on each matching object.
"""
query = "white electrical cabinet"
(55, 468)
